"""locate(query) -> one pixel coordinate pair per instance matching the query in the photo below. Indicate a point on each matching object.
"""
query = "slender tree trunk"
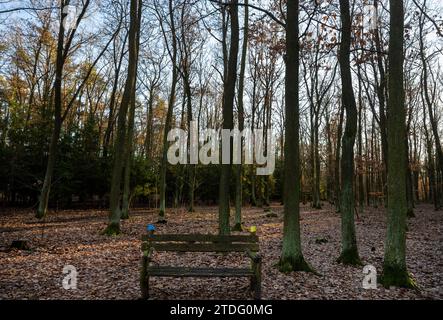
(62, 54)
(416, 171)
(112, 104)
(241, 122)
(192, 167)
(253, 107)
(312, 156)
(349, 251)
(119, 158)
(44, 195)
(330, 170)
(53, 146)
(292, 257)
(368, 161)
(381, 94)
(149, 118)
(361, 192)
(228, 110)
(128, 162)
(337, 179)
(171, 102)
(409, 191)
(430, 166)
(267, 127)
(316, 202)
(186, 69)
(394, 264)
(130, 133)
(432, 120)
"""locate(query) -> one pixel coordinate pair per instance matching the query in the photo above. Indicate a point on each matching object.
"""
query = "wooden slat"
(251, 238)
(164, 271)
(205, 247)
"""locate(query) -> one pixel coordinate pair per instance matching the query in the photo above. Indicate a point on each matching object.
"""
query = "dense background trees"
(85, 111)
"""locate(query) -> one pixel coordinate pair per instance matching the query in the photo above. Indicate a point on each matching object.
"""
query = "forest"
(113, 113)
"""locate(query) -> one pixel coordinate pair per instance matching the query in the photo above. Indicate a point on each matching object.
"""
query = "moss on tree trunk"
(112, 229)
(290, 263)
(397, 276)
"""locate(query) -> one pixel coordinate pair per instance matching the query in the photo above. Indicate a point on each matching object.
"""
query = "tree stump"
(20, 245)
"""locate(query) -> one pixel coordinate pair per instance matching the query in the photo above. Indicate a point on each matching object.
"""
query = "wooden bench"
(247, 244)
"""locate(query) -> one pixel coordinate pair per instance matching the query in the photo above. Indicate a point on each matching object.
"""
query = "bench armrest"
(147, 251)
(255, 256)
(149, 254)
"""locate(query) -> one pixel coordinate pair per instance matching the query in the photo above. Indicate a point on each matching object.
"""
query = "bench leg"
(256, 279)
(253, 283)
(257, 289)
(144, 278)
(147, 287)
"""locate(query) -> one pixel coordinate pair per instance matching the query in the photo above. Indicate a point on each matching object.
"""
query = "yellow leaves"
(160, 108)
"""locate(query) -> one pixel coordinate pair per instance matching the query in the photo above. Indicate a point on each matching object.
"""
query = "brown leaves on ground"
(108, 267)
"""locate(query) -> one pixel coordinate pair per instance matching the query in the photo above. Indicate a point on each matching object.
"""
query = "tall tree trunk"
(361, 192)
(368, 161)
(171, 102)
(312, 156)
(119, 157)
(316, 195)
(409, 191)
(416, 171)
(149, 118)
(330, 161)
(241, 122)
(128, 161)
(62, 54)
(192, 167)
(53, 146)
(130, 133)
(112, 104)
(432, 120)
(267, 131)
(292, 257)
(394, 264)
(381, 94)
(349, 251)
(430, 166)
(337, 179)
(228, 123)
(253, 109)
(186, 69)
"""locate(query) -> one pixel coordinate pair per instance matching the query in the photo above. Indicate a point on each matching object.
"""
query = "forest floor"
(108, 267)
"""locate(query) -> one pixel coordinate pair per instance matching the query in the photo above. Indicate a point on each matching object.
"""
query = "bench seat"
(166, 271)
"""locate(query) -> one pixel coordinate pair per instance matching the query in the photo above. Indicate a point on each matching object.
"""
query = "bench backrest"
(200, 242)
